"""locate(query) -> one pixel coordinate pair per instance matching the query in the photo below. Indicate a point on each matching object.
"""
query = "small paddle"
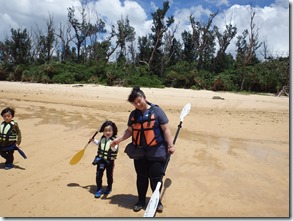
(77, 157)
(155, 198)
(21, 152)
(14, 147)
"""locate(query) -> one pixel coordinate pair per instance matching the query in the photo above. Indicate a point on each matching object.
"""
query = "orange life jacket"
(146, 125)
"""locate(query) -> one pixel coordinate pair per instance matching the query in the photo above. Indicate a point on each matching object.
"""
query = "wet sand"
(231, 159)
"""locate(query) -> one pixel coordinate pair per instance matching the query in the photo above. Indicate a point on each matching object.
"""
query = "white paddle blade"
(153, 203)
(185, 111)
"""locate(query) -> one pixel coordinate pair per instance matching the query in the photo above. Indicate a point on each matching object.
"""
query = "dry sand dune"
(231, 159)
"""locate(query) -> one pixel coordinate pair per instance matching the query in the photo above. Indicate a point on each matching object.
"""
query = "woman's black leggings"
(145, 170)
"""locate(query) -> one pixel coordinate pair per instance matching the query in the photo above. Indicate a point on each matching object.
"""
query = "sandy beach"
(231, 160)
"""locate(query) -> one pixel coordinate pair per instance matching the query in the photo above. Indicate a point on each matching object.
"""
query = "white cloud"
(29, 13)
(181, 17)
(272, 24)
(272, 21)
(112, 10)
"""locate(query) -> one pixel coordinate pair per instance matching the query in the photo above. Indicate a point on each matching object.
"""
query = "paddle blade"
(21, 153)
(77, 157)
(153, 203)
(185, 111)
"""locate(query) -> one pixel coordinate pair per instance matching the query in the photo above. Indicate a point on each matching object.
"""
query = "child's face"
(108, 131)
(7, 117)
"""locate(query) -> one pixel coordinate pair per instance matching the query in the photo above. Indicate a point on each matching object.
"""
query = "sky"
(271, 19)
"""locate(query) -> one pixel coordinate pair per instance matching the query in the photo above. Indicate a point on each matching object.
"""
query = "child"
(105, 157)
(10, 137)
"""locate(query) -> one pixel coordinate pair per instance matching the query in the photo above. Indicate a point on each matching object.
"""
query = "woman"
(149, 128)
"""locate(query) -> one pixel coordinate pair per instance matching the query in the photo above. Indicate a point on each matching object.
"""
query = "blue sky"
(272, 16)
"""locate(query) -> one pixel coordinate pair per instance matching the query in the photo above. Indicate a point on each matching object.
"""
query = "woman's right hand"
(124, 136)
(114, 142)
(171, 149)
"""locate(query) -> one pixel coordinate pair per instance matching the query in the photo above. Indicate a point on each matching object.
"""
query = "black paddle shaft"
(168, 156)
(93, 137)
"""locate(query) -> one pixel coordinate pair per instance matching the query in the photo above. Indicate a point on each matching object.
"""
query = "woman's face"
(140, 103)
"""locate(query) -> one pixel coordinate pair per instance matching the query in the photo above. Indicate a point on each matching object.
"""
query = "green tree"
(224, 39)
(45, 43)
(19, 47)
(125, 34)
(82, 30)
(247, 44)
(144, 49)
(189, 53)
(4, 53)
(64, 34)
(271, 76)
(155, 39)
(181, 75)
(96, 49)
(99, 51)
(204, 40)
(174, 52)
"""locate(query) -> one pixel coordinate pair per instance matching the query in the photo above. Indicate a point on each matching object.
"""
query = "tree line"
(82, 51)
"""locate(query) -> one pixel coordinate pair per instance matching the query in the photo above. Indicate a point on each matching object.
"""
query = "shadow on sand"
(122, 200)
(90, 188)
(2, 166)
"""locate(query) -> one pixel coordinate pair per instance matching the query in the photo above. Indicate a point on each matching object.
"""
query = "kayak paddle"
(77, 157)
(155, 198)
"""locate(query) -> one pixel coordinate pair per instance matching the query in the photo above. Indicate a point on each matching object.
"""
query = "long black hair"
(109, 123)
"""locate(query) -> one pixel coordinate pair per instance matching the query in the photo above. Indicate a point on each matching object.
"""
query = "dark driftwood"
(218, 98)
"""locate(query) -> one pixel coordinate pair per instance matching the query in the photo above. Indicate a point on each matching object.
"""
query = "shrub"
(64, 78)
(225, 81)
(38, 76)
(144, 81)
